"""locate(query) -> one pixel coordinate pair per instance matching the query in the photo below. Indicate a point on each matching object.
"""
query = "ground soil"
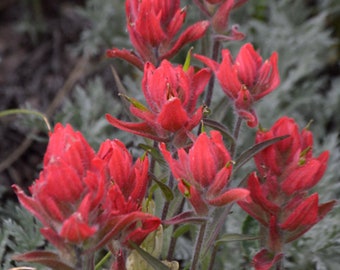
(36, 68)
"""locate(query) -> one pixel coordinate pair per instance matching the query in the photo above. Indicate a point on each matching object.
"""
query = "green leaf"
(220, 127)
(153, 151)
(135, 102)
(167, 192)
(185, 217)
(187, 60)
(152, 261)
(235, 237)
(47, 258)
(182, 230)
(250, 227)
(252, 151)
(25, 111)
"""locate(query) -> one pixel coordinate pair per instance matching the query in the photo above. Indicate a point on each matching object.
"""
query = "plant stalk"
(198, 247)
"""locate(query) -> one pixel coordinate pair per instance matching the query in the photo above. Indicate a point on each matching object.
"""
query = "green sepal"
(187, 60)
(135, 102)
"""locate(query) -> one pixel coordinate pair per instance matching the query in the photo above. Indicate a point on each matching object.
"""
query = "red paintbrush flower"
(278, 194)
(246, 79)
(85, 200)
(203, 173)
(171, 94)
(153, 26)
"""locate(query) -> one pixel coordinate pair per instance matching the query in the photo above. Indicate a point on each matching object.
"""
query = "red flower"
(245, 80)
(128, 180)
(203, 173)
(85, 199)
(278, 194)
(171, 95)
(152, 26)
(70, 190)
(290, 160)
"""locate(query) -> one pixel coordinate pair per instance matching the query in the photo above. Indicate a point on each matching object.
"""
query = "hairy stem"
(236, 133)
(215, 54)
(173, 240)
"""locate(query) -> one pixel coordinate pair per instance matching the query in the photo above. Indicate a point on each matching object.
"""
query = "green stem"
(173, 240)
(102, 261)
(236, 133)
(25, 111)
(217, 226)
(215, 54)
(212, 258)
(167, 203)
(198, 247)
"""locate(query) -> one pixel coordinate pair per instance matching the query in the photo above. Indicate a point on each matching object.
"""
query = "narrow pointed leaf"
(186, 217)
(252, 151)
(181, 230)
(187, 60)
(153, 152)
(220, 127)
(135, 102)
(152, 261)
(167, 192)
(47, 258)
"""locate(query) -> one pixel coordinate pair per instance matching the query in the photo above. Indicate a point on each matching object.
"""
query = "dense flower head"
(152, 26)
(291, 160)
(246, 79)
(171, 95)
(279, 197)
(87, 199)
(203, 172)
(128, 180)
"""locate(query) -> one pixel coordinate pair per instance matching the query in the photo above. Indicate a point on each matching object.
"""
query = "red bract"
(278, 194)
(290, 161)
(152, 26)
(203, 173)
(171, 94)
(85, 199)
(218, 12)
(245, 80)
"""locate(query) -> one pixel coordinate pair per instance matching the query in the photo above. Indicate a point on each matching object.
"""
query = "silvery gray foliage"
(19, 232)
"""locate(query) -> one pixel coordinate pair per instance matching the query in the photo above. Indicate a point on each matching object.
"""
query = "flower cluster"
(203, 178)
(152, 27)
(171, 94)
(89, 200)
(245, 80)
(86, 200)
(279, 197)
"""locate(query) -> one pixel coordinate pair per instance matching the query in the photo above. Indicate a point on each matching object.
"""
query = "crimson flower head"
(246, 79)
(68, 195)
(86, 200)
(171, 94)
(291, 160)
(279, 197)
(153, 27)
(203, 173)
(128, 180)
(128, 183)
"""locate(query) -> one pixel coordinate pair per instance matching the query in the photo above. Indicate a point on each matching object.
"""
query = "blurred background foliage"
(59, 48)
